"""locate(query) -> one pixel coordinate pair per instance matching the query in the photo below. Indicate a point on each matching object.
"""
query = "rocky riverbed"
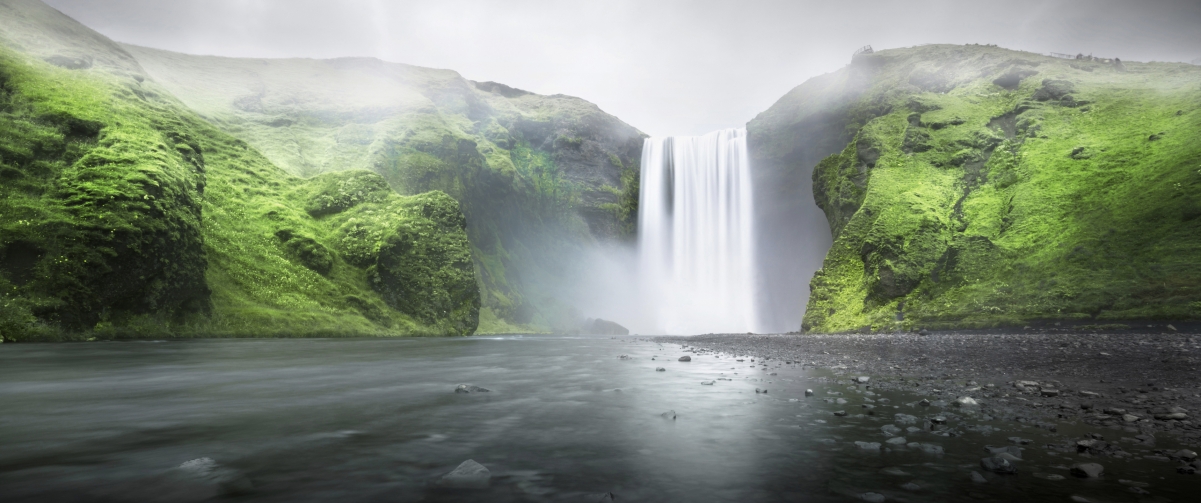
(1140, 384)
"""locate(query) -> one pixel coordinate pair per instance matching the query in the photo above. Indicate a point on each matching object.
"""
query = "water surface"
(567, 419)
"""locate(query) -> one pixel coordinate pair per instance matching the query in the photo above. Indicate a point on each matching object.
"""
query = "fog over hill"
(668, 67)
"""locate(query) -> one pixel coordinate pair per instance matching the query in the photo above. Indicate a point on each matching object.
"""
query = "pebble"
(685, 358)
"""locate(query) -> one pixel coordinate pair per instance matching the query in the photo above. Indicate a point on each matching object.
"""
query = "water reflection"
(566, 420)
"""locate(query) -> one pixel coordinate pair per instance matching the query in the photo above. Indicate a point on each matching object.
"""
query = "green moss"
(122, 214)
(1071, 195)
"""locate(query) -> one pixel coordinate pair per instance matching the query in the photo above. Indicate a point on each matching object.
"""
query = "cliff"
(974, 186)
(124, 214)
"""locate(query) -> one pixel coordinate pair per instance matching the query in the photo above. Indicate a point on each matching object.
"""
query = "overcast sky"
(665, 67)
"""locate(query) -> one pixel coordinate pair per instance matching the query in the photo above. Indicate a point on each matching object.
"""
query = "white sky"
(665, 67)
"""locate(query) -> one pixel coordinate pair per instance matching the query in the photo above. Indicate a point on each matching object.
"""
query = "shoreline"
(1141, 382)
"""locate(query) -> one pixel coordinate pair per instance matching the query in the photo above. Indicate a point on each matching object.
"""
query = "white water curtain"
(695, 234)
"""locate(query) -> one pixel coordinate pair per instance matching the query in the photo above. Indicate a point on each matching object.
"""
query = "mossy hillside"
(985, 187)
(124, 215)
(99, 219)
(537, 176)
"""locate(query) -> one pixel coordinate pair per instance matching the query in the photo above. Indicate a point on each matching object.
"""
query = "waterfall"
(695, 234)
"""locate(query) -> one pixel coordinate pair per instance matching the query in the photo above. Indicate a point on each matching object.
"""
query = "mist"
(669, 68)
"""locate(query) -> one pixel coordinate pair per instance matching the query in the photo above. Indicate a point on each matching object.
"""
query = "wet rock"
(1020, 440)
(905, 419)
(892, 470)
(1049, 392)
(228, 482)
(1087, 470)
(840, 413)
(965, 401)
(869, 446)
(1184, 455)
(872, 497)
(862, 379)
(1175, 416)
(1009, 450)
(998, 465)
(890, 429)
(896, 441)
(840, 401)
(1129, 418)
(808, 392)
(978, 478)
(924, 403)
(926, 448)
(685, 358)
(468, 388)
(468, 475)
(938, 420)
(910, 486)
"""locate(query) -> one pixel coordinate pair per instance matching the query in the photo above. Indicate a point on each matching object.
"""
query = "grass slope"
(985, 187)
(123, 214)
(537, 176)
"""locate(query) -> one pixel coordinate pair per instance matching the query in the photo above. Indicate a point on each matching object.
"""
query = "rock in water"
(230, 482)
(965, 401)
(998, 465)
(808, 392)
(862, 379)
(598, 326)
(977, 478)
(660, 369)
(685, 358)
(1088, 470)
(468, 475)
(469, 388)
(869, 446)
(671, 414)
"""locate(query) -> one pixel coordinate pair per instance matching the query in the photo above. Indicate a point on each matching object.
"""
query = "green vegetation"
(536, 176)
(123, 214)
(982, 187)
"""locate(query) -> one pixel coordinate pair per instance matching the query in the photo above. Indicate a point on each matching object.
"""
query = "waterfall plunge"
(696, 235)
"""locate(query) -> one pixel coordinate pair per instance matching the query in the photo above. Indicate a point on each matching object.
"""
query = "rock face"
(933, 166)
(598, 326)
